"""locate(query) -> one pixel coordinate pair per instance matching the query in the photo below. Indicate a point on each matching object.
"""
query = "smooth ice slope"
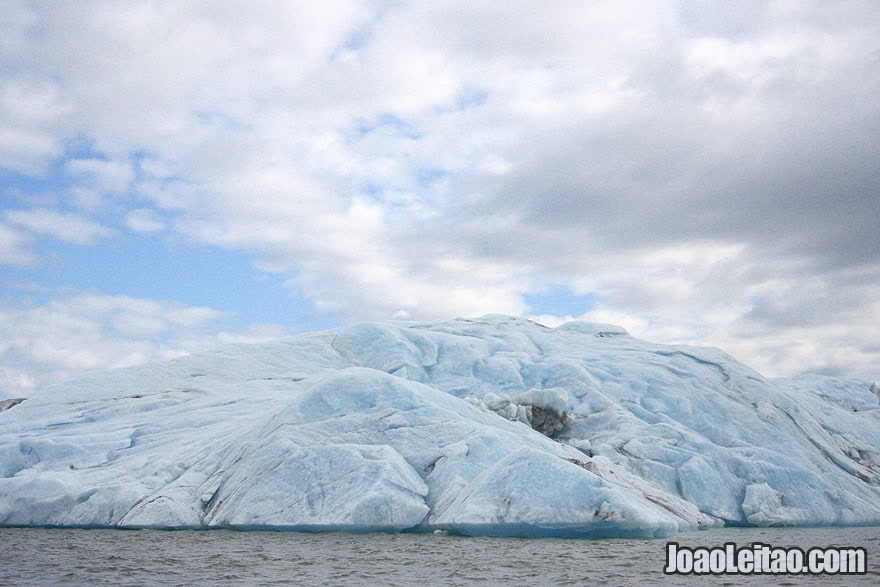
(491, 426)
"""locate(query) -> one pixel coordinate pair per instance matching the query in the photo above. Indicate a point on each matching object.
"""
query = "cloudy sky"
(176, 175)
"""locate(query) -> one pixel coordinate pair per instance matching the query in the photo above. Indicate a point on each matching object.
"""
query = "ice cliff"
(494, 426)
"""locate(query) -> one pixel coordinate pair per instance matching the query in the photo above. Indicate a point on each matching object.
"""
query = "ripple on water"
(133, 557)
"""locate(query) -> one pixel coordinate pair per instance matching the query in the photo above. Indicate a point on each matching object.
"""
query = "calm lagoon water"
(34, 556)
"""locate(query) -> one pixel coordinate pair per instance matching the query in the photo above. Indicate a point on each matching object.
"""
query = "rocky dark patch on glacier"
(7, 404)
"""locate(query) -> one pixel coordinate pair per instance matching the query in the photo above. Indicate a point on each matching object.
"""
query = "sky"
(178, 175)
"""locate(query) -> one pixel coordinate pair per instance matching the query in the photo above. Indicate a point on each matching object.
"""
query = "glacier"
(490, 426)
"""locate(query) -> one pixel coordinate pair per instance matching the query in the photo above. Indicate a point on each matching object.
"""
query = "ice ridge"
(490, 426)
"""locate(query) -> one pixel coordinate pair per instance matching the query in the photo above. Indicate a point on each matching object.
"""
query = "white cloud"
(26, 151)
(32, 112)
(144, 220)
(107, 176)
(66, 227)
(686, 162)
(15, 247)
(73, 333)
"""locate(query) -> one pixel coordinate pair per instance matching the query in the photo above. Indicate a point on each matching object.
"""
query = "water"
(34, 556)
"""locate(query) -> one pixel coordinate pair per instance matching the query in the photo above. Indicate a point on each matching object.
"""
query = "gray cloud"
(707, 169)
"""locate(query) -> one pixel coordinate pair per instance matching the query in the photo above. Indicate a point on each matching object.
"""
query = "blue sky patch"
(559, 300)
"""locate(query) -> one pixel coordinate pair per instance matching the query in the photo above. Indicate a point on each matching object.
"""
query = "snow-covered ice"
(494, 426)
